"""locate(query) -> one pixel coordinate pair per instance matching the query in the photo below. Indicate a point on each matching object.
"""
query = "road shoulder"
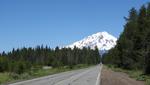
(109, 77)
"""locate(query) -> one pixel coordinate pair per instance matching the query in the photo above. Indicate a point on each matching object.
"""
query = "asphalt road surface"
(87, 76)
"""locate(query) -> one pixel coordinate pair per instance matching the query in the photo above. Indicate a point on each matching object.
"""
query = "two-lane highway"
(87, 76)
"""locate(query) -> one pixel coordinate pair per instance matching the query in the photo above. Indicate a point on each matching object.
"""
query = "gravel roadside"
(110, 77)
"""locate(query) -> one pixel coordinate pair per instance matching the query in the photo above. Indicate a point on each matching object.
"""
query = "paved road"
(86, 76)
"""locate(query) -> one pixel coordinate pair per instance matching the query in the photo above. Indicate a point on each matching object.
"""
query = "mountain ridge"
(103, 40)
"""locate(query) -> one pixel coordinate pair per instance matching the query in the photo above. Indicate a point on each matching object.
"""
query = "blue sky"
(59, 22)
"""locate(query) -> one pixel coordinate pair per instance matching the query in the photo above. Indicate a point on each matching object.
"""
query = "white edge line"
(98, 81)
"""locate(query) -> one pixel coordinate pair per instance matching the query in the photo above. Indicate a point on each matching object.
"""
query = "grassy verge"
(147, 82)
(12, 77)
(136, 74)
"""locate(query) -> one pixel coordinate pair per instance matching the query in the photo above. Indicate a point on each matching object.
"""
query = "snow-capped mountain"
(103, 40)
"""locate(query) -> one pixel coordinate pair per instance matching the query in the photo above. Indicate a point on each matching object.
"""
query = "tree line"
(133, 46)
(24, 59)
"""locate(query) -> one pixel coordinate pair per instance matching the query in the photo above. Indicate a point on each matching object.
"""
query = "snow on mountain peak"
(103, 40)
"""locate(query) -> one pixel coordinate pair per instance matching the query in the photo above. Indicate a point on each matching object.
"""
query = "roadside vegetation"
(27, 63)
(132, 52)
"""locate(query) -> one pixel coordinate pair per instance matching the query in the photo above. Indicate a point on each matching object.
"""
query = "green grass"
(38, 72)
(4, 77)
(147, 82)
(41, 72)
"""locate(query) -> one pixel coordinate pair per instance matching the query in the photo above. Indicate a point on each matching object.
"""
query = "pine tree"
(133, 47)
(147, 43)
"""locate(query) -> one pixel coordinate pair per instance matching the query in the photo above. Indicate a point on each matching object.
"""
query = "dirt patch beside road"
(109, 77)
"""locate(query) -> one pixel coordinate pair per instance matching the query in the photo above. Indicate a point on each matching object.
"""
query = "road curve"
(87, 76)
